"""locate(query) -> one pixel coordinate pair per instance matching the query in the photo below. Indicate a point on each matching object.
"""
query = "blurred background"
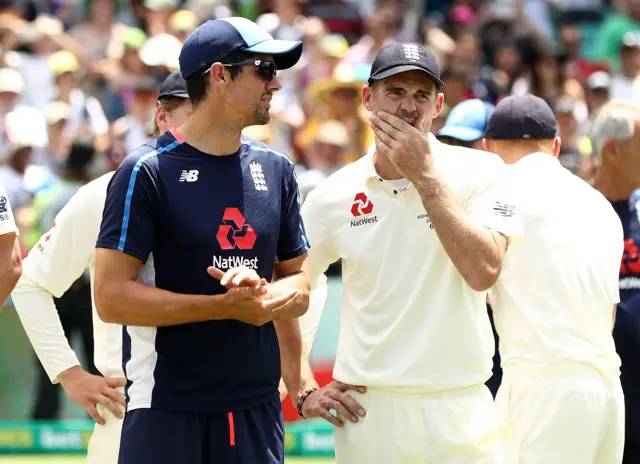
(78, 91)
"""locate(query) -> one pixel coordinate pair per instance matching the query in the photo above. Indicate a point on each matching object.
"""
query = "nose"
(274, 85)
(408, 104)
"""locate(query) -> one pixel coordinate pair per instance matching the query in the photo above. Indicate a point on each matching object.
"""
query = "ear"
(557, 143)
(367, 97)
(439, 103)
(161, 116)
(217, 74)
(487, 145)
(611, 151)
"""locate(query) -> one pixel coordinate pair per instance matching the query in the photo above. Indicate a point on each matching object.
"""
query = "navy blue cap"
(174, 86)
(397, 58)
(467, 121)
(218, 38)
(522, 117)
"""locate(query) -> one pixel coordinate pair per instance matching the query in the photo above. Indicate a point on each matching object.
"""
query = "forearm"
(290, 341)
(11, 272)
(129, 302)
(297, 281)
(41, 322)
(472, 248)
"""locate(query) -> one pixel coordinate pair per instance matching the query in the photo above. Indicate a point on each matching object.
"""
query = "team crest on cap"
(411, 52)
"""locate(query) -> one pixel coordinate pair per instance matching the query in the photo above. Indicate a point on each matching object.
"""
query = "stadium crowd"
(79, 89)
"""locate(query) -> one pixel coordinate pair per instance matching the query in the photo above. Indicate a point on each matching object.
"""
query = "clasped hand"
(250, 297)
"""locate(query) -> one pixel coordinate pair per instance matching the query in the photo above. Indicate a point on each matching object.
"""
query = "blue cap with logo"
(467, 121)
(218, 38)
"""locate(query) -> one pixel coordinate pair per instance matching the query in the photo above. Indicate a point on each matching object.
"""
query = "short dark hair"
(198, 83)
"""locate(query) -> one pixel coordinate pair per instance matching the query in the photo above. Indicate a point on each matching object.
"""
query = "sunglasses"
(267, 70)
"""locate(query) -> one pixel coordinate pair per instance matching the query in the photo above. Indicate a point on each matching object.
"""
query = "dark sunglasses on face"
(267, 70)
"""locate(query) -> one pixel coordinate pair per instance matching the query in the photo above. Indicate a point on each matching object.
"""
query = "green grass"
(52, 459)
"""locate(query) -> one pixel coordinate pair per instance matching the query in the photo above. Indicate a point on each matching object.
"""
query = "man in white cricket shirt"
(53, 265)
(421, 228)
(560, 401)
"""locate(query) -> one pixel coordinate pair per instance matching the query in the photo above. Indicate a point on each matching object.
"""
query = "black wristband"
(301, 400)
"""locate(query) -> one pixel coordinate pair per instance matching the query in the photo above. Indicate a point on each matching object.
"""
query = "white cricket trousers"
(104, 443)
(454, 427)
(567, 413)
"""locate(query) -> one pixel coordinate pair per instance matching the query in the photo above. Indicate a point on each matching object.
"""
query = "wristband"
(302, 399)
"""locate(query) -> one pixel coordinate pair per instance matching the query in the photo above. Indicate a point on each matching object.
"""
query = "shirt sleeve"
(322, 252)
(64, 252)
(292, 241)
(41, 322)
(7, 221)
(130, 210)
(492, 204)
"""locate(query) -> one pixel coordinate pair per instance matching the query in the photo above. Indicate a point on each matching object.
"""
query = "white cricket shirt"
(553, 301)
(409, 319)
(52, 266)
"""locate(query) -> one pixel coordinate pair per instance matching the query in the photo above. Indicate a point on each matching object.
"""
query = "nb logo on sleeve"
(189, 176)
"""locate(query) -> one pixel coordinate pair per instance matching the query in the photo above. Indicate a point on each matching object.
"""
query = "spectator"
(622, 81)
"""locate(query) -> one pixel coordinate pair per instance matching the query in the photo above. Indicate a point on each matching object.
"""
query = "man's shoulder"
(342, 185)
(265, 153)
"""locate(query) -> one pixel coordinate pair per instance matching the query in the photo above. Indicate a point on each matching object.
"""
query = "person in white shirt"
(53, 265)
(10, 252)
(422, 229)
(554, 303)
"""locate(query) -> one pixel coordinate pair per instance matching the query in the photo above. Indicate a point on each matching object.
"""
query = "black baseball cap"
(399, 57)
(522, 117)
(174, 86)
(218, 38)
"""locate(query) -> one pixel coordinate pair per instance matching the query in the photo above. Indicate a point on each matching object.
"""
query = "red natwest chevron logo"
(361, 205)
(234, 233)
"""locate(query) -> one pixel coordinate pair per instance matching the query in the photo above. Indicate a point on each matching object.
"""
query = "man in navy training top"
(615, 138)
(201, 354)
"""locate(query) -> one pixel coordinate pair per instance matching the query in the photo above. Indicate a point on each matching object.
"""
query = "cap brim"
(286, 53)
(173, 95)
(466, 134)
(405, 68)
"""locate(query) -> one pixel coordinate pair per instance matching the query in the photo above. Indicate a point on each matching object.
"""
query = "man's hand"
(249, 305)
(240, 276)
(406, 146)
(87, 391)
(333, 396)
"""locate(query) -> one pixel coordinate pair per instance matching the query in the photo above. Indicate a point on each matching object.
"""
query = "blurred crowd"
(79, 79)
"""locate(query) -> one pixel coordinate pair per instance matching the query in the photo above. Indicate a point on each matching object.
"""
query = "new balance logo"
(411, 52)
(259, 182)
(234, 233)
(189, 176)
(361, 205)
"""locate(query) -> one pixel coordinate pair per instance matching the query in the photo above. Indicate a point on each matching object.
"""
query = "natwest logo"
(234, 233)
(234, 261)
(361, 205)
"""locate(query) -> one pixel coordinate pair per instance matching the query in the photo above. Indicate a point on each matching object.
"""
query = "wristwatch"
(304, 396)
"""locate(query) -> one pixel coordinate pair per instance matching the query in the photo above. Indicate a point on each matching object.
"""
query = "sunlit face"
(409, 96)
(168, 119)
(250, 94)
